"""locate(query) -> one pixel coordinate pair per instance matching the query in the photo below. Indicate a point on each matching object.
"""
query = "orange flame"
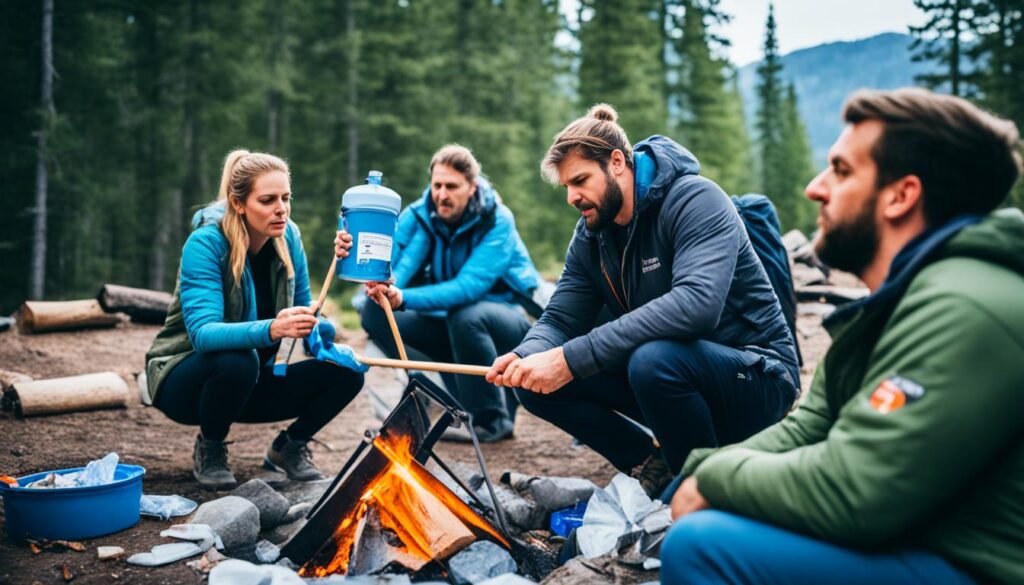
(393, 494)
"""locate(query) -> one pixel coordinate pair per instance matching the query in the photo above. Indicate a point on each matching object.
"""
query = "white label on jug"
(371, 246)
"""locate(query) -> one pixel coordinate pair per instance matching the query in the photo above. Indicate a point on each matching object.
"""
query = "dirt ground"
(143, 436)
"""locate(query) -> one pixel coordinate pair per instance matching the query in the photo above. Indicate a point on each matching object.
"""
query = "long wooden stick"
(284, 352)
(326, 287)
(429, 366)
(383, 301)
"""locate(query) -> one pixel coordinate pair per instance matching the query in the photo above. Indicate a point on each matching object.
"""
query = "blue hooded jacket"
(441, 267)
(688, 271)
(210, 313)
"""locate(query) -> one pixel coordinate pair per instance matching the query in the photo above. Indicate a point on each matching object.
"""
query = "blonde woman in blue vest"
(243, 286)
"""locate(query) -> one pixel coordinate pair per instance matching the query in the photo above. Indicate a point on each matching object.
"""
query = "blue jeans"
(689, 393)
(717, 547)
(475, 334)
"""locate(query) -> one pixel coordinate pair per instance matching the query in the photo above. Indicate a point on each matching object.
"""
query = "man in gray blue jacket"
(462, 279)
(698, 350)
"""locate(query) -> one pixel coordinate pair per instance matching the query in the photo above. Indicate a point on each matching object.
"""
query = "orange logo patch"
(888, 397)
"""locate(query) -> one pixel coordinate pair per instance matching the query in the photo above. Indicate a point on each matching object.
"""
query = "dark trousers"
(215, 389)
(689, 393)
(474, 335)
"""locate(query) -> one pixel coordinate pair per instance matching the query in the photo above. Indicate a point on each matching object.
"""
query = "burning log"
(385, 508)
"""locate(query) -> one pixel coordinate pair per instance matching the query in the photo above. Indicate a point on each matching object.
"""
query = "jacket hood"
(657, 163)
(209, 215)
(483, 202)
(998, 238)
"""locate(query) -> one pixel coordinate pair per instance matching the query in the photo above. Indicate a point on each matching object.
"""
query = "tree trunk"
(37, 278)
(954, 50)
(353, 94)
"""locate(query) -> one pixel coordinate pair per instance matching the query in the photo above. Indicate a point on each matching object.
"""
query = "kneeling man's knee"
(694, 548)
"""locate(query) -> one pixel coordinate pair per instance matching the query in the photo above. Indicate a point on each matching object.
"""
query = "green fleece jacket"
(912, 434)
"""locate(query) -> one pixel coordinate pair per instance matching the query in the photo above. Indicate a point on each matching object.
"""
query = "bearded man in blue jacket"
(698, 351)
(463, 283)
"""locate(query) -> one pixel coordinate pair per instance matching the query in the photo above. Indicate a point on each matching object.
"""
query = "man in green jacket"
(905, 462)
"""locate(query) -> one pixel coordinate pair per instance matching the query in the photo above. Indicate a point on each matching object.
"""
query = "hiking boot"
(210, 464)
(653, 474)
(293, 458)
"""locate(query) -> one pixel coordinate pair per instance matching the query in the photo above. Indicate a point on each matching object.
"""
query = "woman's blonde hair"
(241, 169)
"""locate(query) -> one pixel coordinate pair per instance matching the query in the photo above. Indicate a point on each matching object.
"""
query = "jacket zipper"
(612, 286)
(622, 267)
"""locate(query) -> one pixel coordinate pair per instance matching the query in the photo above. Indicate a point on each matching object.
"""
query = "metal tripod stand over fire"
(385, 512)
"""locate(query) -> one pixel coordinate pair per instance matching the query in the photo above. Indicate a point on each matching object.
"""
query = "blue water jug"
(370, 213)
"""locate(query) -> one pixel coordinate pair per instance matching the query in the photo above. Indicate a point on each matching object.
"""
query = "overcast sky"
(806, 23)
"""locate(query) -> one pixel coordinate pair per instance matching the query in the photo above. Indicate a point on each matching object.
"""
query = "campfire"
(385, 511)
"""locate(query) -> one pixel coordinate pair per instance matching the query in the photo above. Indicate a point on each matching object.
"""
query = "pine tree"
(621, 62)
(798, 169)
(942, 40)
(998, 55)
(709, 109)
(782, 139)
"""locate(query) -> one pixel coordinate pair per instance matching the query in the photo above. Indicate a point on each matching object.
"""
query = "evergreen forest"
(117, 114)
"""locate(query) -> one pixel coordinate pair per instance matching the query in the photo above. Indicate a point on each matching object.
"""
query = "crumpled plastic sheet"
(97, 472)
(619, 509)
(165, 507)
(202, 537)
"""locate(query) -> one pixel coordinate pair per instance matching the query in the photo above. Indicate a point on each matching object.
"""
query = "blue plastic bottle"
(370, 213)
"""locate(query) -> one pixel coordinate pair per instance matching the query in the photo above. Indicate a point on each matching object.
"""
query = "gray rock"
(602, 570)
(283, 532)
(519, 511)
(272, 505)
(297, 511)
(508, 579)
(480, 561)
(299, 492)
(267, 552)
(236, 520)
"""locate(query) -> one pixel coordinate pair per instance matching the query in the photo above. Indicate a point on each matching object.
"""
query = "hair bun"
(603, 112)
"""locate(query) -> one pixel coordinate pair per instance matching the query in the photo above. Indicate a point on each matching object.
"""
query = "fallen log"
(42, 316)
(9, 378)
(142, 305)
(71, 394)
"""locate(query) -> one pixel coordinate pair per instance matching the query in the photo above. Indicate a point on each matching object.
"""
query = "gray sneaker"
(654, 474)
(293, 458)
(210, 464)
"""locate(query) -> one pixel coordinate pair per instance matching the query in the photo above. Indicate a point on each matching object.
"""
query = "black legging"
(215, 389)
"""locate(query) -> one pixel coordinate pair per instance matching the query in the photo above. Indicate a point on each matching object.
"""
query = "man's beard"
(850, 245)
(607, 208)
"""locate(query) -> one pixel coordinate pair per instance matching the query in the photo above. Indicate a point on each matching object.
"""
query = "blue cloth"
(204, 287)
(717, 547)
(442, 267)
(324, 349)
(689, 393)
(688, 272)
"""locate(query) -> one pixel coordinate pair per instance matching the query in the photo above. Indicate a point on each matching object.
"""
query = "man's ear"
(903, 198)
(617, 163)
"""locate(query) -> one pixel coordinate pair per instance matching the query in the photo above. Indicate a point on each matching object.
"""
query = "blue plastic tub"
(73, 513)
